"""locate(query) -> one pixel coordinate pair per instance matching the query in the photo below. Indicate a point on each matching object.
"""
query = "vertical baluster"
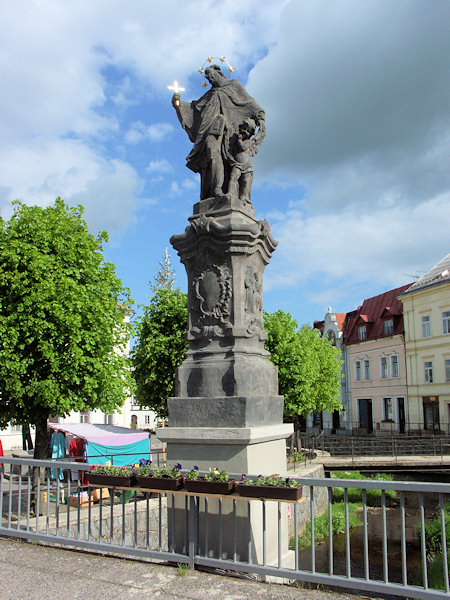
(366, 536)
(28, 499)
(313, 530)
(422, 540)
(403, 540)
(123, 517)
(234, 532)
(159, 520)
(147, 519)
(186, 525)
(10, 496)
(80, 490)
(249, 533)
(347, 536)
(89, 490)
(279, 534)
(444, 543)
(296, 535)
(330, 531)
(111, 516)
(100, 516)
(206, 526)
(19, 499)
(135, 520)
(58, 488)
(47, 524)
(38, 498)
(172, 532)
(220, 528)
(384, 537)
(264, 531)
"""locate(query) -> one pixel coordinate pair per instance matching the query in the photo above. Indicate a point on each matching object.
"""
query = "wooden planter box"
(111, 480)
(159, 483)
(269, 492)
(210, 487)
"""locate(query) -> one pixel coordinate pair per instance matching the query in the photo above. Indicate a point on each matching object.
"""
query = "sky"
(353, 175)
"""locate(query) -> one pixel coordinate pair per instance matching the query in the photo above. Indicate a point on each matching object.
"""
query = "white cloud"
(159, 131)
(159, 166)
(378, 245)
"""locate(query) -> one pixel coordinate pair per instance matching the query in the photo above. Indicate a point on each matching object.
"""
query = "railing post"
(193, 530)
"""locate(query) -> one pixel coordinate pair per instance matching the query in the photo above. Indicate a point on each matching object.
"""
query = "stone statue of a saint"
(226, 126)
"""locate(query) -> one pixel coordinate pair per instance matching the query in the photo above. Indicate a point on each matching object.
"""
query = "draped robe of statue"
(212, 124)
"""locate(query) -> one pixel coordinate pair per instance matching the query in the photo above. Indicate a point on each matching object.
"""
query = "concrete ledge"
(224, 435)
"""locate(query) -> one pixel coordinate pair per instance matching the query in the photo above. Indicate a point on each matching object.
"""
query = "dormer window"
(388, 327)
(362, 332)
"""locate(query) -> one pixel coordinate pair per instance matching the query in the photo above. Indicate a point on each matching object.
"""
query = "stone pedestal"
(226, 412)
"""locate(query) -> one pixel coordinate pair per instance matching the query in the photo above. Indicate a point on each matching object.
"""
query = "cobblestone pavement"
(34, 572)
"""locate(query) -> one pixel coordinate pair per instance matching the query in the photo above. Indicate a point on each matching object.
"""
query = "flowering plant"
(192, 475)
(109, 469)
(274, 480)
(216, 475)
(164, 471)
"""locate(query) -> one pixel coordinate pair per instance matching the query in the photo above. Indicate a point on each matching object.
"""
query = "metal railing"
(235, 533)
(354, 446)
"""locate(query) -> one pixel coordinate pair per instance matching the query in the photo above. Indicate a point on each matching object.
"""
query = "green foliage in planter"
(272, 481)
(164, 471)
(355, 494)
(192, 475)
(111, 470)
(216, 475)
(321, 524)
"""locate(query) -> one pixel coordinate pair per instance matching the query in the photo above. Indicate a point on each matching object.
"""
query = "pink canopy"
(107, 435)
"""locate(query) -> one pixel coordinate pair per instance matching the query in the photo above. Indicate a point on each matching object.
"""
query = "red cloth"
(1, 454)
(76, 449)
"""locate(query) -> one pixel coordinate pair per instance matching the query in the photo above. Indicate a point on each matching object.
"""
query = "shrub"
(321, 529)
(355, 494)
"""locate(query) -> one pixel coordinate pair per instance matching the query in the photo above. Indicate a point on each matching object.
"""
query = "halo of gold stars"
(209, 60)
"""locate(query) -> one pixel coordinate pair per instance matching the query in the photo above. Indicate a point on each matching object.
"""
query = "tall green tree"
(63, 329)
(309, 366)
(160, 348)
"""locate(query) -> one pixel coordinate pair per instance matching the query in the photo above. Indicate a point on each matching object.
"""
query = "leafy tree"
(160, 348)
(309, 367)
(62, 320)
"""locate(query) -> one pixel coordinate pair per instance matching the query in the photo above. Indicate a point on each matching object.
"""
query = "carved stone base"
(232, 411)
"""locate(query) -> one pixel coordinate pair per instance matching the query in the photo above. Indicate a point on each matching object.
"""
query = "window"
(387, 409)
(147, 419)
(362, 332)
(426, 326)
(383, 367)
(428, 371)
(446, 321)
(85, 417)
(357, 370)
(389, 326)
(394, 365)
(447, 369)
(366, 368)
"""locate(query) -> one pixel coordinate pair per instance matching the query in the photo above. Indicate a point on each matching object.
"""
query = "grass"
(182, 569)
(321, 524)
(355, 494)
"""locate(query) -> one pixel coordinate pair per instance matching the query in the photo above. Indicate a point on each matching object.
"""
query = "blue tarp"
(128, 454)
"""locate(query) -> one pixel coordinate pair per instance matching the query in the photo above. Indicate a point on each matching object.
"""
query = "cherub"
(241, 176)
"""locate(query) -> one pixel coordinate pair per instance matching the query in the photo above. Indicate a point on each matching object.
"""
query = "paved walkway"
(33, 572)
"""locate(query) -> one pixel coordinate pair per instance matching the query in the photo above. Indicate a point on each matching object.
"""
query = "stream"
(393, 525)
